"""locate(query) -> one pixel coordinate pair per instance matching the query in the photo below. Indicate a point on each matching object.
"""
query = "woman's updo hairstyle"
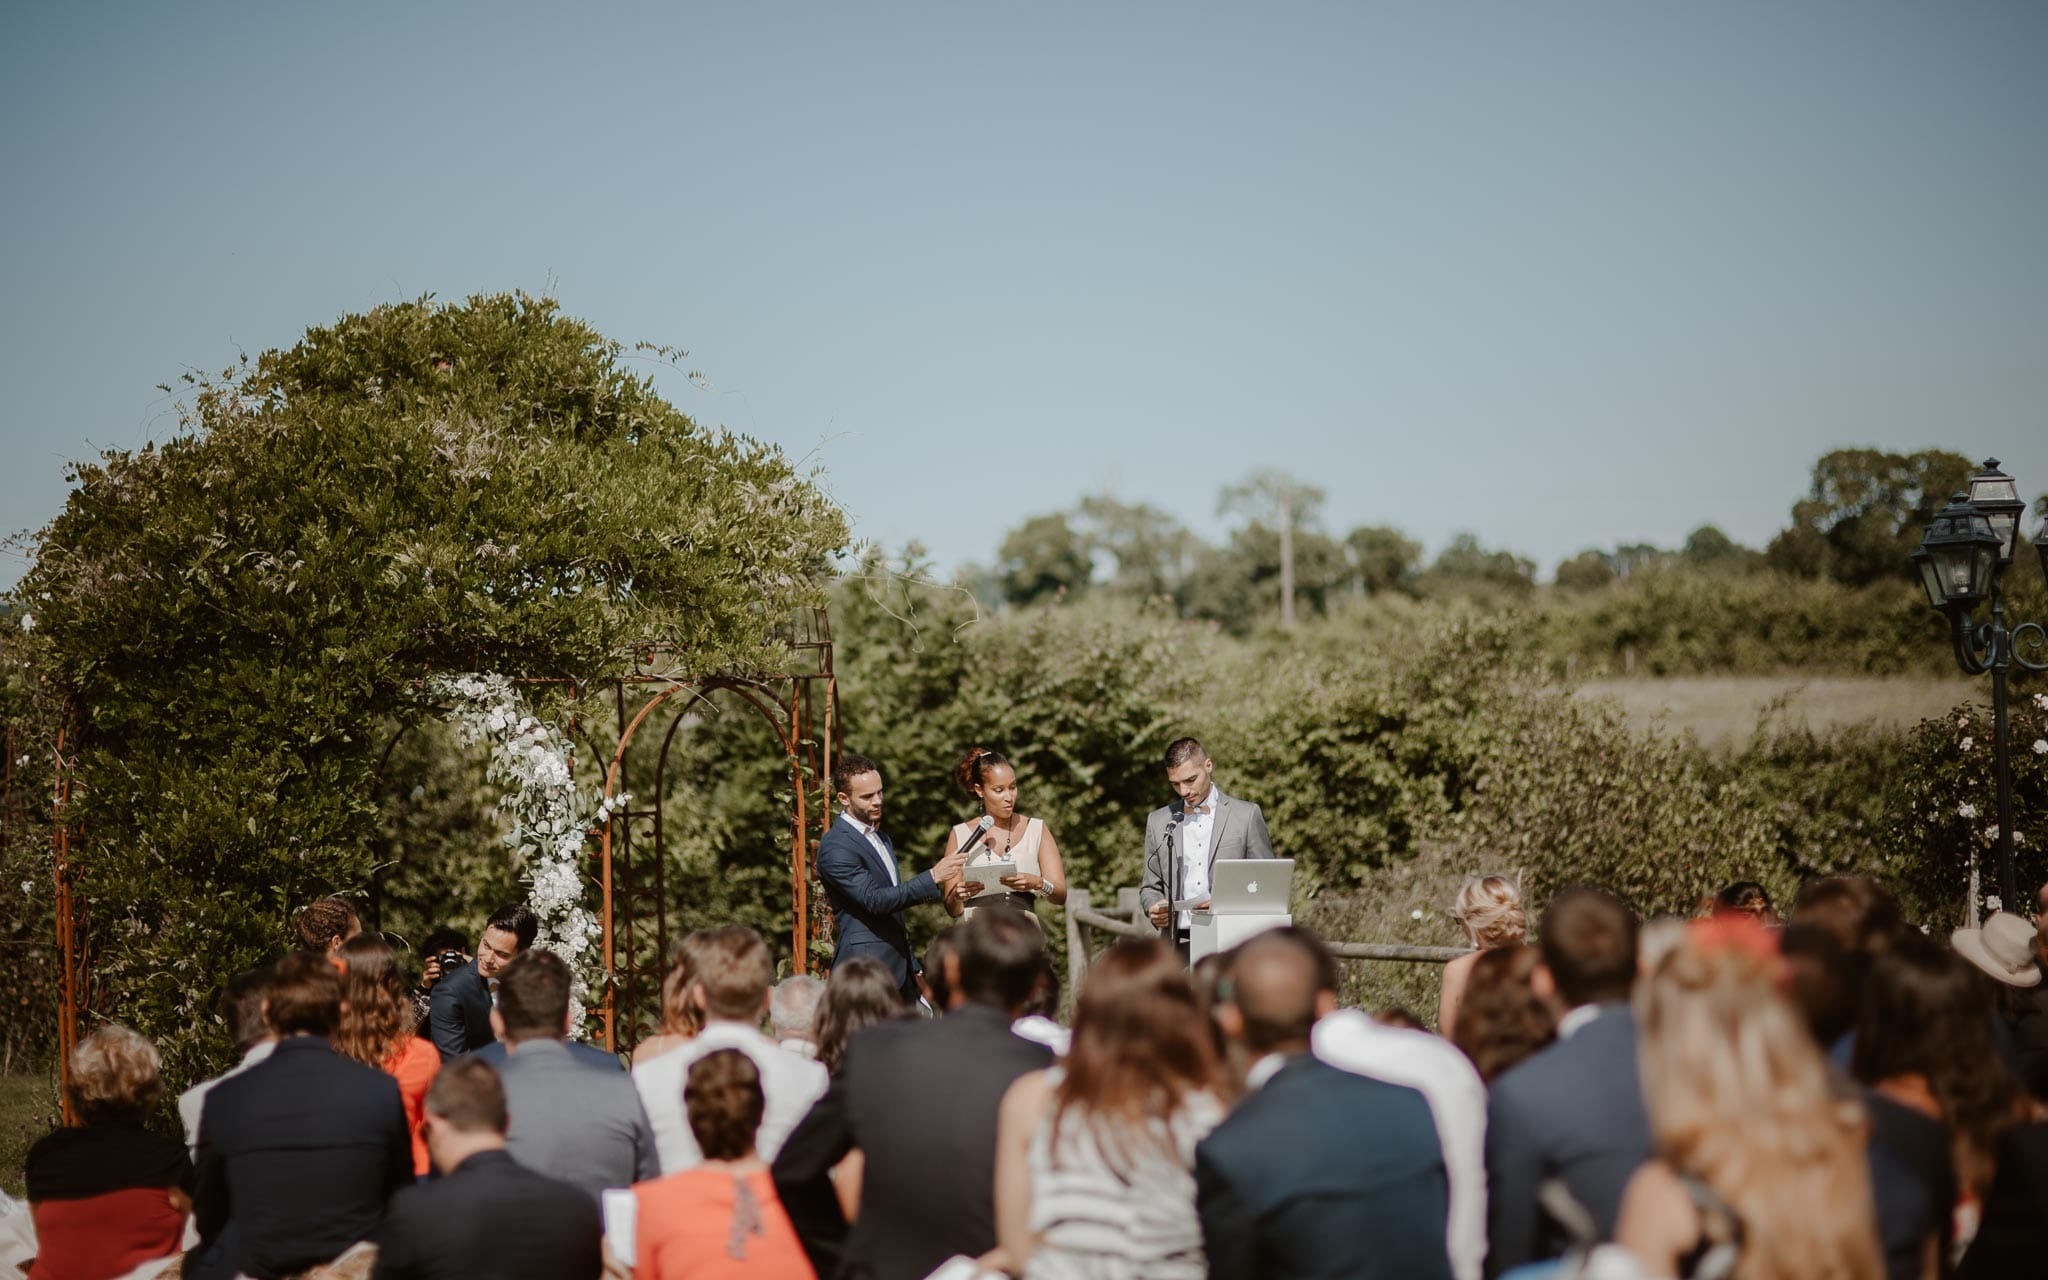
(974, 767)
(1490, 908)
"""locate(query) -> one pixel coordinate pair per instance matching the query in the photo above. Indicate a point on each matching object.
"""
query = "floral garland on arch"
(550, 819)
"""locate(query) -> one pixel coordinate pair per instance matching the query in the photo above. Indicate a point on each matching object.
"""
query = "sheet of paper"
(989, 875)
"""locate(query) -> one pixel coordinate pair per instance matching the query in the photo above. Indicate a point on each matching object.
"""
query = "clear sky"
(1563, 274)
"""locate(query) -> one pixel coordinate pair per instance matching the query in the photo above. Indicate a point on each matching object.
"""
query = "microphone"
(981, 829)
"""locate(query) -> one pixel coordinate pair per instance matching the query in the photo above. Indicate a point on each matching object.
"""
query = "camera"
(450, 959)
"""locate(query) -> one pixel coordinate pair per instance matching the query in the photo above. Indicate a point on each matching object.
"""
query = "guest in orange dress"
(108, 1195)
(377, 1024)
(721, 1220)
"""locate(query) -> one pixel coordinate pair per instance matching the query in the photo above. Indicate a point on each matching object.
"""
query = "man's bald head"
(1281, 981)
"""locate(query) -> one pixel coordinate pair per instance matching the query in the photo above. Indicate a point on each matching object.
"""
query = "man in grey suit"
(585, 1127)
(1201, 824)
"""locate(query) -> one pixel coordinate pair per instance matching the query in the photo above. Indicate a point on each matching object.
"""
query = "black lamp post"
(1961, 558)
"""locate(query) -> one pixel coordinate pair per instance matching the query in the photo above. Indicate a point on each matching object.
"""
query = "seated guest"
(931, 979)
(720, 1218)
(2003, 951)
(1503, 1021)
(1040, 1022)
(1746, 898)
(569, 1122)
(1093, 1157)
(459, 1010)
(1318, 1172)
(1490, 909)
(1411, 1056)
(2030, 1026)
(487, 1215)
(1861, 920)
(377, 1031)
(920, 1099)
(678, 1011)
(859, 994)
(1759, 1158)
(793, 1013)
(241, 1007)
(732, 971)
(1574, 1111)
(297, 1155)
(108, 1195)
(324, 925)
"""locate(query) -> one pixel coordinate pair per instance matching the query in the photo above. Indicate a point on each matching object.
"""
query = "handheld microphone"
(981, 829)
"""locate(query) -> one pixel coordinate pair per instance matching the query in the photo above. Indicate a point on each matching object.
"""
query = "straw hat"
(2003, 948)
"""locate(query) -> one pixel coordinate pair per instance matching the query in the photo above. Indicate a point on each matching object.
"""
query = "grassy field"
(1720, 709)
(28, 1110)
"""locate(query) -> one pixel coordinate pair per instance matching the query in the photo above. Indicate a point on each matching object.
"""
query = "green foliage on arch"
(244, 609)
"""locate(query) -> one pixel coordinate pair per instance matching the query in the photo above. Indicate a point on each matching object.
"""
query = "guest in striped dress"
(1094, 1157)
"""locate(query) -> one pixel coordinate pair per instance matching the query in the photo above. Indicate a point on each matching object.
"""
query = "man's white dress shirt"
(1197, 829)
(1431, 1065)
(192, 1102)
(874, 835)
(790, 1083)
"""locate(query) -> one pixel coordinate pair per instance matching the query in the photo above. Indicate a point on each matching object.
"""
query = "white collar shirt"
(1579, 1019)
(192, 1102)
(1197, 833)
(790, 1083)
(874, 835)
(1351, 1041)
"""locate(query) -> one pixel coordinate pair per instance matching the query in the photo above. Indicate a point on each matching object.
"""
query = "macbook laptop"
(1251, 886)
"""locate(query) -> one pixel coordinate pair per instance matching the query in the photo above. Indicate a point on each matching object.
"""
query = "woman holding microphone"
(1001, 834)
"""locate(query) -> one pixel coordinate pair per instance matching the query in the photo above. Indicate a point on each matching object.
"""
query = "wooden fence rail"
(1084, 919)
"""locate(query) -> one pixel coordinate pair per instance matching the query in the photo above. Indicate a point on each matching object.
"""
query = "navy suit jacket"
(459, 1013)
(1322, 1173)
(492, 1217)
(867, 909)
(297, 1157)
(1573, 1112)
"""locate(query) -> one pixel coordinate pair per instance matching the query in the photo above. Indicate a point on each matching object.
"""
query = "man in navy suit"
(459, 1010)
(1318, 1172)
(868, 895)
(1572, 1113)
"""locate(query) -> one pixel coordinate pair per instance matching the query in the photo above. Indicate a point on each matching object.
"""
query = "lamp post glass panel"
(1961, 561)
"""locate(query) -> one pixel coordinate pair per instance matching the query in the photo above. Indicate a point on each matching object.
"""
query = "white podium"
(1214, 931)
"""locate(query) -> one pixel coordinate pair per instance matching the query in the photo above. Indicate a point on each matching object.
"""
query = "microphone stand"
(1173, 884)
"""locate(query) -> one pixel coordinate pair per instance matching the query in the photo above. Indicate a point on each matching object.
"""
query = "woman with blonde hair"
(1759, 1171)
(378, 1019)
(1490, 908)
(681, 1020)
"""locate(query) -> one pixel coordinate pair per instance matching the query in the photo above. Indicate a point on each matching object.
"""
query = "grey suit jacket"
(568, 1121)
(1240, 832)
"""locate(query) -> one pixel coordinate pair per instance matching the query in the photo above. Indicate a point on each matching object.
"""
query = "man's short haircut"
(1182, 750)
(442, 939)
(999, 949)
(241, 1007)
(734, 968)
(319, 923)
(304, 996)
(1045, 989)
(533, 996)
(115, 1076)
(468, 1094)
(722, 1097)
(1589, 946)
(851, 767)
(793, 1008)
(517, 921)
(1273, 980)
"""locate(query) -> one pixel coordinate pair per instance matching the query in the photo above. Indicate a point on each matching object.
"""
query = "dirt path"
(1721, 708)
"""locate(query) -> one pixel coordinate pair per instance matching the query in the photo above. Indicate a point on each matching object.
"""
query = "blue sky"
(1562, 274)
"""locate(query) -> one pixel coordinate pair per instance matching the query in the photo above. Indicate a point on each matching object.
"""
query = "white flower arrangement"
(530, 759)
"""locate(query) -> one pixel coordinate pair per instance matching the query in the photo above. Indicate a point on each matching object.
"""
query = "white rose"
(1966, 811)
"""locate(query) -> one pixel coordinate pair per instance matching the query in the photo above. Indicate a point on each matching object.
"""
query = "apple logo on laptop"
(1253, 887)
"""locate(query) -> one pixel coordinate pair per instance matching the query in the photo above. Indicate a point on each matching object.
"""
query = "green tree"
(1464, 568)
(242, 610)
(1151, 550)
(1383, 558)
(1586, 571)
(1865, 512)
(1290, 505)
(1044, 559)
(1707, 545)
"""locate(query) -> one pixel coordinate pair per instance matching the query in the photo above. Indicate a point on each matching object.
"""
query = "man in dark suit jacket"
(298, 1154)
(921, 1099)
(858, 865)
(1574, 1112)
(488, 1215)
(1198, 826)
(459, 1009)
(1318, 1172)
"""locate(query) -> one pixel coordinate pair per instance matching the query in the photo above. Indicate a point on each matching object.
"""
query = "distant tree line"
(1858, 522)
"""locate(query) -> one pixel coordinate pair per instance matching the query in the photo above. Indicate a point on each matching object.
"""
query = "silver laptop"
(1251, 886)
